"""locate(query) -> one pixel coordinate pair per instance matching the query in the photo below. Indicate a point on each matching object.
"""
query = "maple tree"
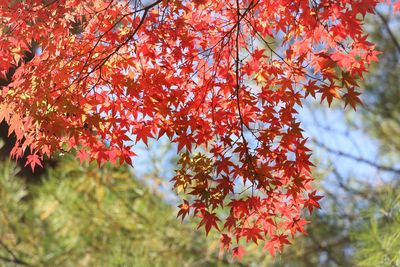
(221, 79)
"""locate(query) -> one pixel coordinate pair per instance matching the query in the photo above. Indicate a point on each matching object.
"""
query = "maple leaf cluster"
(221, 79)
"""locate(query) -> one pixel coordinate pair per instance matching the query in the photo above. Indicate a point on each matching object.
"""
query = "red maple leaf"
(33, 160)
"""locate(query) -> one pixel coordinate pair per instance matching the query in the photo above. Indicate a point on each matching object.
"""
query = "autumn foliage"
(221, 79)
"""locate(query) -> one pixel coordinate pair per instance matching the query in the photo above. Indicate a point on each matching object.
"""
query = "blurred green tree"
(86, 216)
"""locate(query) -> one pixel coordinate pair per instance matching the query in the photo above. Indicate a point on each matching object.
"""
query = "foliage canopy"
(221, 79)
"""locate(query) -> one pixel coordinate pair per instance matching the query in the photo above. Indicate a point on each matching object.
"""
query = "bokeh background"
(82, 215)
